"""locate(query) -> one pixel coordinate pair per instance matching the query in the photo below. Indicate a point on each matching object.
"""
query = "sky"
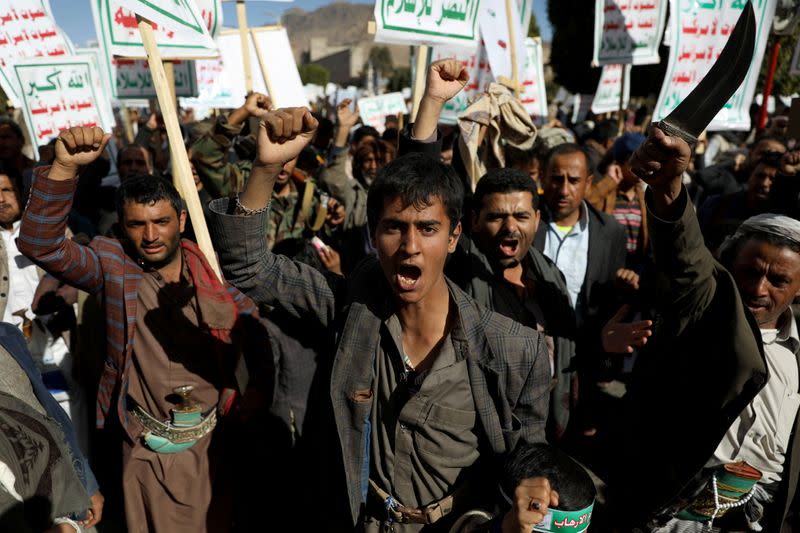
(75, 16)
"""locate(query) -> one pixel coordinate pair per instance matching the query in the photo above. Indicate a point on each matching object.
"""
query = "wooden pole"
(125, 115)
(420, 71)
(181, 170)
(262, 62)
(241, 15)
(169, 70)
(512, 42)
(621, 118)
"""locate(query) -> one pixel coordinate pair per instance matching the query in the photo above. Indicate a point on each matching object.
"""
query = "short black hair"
(143, 189)
(604, 131)
(566, 149)
(417, 179)
(503, 180)
(575, 488)
(144, 149)
(6, 121)
(768, 137)
(365, 131)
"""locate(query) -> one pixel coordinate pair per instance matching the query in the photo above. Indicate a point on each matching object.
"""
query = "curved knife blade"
(699, 108)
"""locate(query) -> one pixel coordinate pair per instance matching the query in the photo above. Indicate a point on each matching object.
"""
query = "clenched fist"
(446, 78)
(283, 134)
(530, 502)
(257, 105)
(77, 147)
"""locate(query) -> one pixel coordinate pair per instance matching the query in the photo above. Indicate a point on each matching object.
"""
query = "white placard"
(374, 109)
(453, 22)
(525, 8)
(282, 74)
(628, 31)
(212, 87)
(480, 76)
(93, 55)
(211, 15)
(609, 89)
(59, 93)
(180, 33)
(494, 32)
(27, 30)
(534, 94)
(699, 33)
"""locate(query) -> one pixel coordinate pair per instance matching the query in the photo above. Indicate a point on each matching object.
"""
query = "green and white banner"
(453, 22)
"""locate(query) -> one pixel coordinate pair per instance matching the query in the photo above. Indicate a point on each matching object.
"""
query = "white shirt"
(761, 434)
(570, 252)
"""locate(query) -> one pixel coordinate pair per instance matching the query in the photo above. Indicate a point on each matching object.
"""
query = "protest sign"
(533, 95)
(700, 31)
(213, 89)
(610, 88)
(93, 55)
(211, 15)
(374, 109)
(28, 31)
(795, 68)
(480, 76)
(278, 66)
(133, 78)
(180, 33)
(494, 25)
(427, 21)
(525, 8)
(628, 31)
(60, 93)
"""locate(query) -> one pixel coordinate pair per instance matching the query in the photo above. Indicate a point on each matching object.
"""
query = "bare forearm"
(257, 193)
(341, 136)
(237, 117)
(427, 118)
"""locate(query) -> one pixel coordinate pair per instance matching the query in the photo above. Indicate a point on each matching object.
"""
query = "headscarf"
(780, 226)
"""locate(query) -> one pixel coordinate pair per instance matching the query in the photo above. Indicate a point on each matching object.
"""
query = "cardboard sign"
(628, 31)
(453, 22)
(374, 109)
(118, 30)
(534, 94)
(480, 76)
(279, 67)
(700, 31)
(27, 30)
(609, 89)
(60, 93)
(494, 32)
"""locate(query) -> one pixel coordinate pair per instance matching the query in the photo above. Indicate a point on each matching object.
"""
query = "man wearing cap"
(725, 338)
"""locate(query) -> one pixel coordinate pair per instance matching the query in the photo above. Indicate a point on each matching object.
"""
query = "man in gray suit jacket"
(428, 389)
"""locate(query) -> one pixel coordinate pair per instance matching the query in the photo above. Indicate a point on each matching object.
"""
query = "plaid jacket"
(508, 363)
(102, 267)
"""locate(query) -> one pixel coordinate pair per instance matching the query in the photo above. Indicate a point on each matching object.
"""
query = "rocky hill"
(341, 23)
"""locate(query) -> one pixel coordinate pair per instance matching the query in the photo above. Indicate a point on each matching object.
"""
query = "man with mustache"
(170, 323)
(428, 389)
(726, 339)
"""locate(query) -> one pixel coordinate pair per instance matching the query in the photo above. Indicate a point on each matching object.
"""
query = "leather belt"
(430, 514)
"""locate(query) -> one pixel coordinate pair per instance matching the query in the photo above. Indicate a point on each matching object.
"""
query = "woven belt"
(430, 514)
(173, 433)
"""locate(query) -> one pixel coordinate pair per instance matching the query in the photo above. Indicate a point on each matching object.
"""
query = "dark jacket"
(700, 369)
(14, 343)
(507, 363)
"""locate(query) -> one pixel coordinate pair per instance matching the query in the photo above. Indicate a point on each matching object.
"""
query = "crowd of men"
(490, 327)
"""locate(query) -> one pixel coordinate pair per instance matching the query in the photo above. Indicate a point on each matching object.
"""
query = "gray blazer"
(507, 363)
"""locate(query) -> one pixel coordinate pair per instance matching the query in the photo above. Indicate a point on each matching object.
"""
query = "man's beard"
(157, 265)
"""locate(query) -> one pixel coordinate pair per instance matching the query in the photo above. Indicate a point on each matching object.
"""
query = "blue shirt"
(570, 252)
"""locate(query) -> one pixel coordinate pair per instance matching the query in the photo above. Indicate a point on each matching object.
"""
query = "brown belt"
(401, 514)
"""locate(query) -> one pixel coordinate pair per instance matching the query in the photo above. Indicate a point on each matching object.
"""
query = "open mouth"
(509, 247)
(408, 277)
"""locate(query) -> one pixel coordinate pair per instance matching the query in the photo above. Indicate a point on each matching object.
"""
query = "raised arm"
(42, 232)
(237, 227)
(349, 192)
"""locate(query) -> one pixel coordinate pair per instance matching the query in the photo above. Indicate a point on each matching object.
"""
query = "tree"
(533, 29)
(314, 73)
(381, 60)
(400, 78)
(784, 83)
(571, 50)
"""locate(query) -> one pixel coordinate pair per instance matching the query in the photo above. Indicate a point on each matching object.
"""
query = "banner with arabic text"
(212, 88)
(533, 95)
(494, 33)
(480, 76)
(60, 93)
(94, 56)
(628, 31)
(453, 22)
(700, 30)
(27, 30)
(118, 31)
(374, 109)
(610, 88)
(132, 79)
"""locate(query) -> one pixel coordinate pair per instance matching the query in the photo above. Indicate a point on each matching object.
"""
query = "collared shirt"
(423, 425)
(570, 252)
(23, 279)
(761, 434)
(628, 213)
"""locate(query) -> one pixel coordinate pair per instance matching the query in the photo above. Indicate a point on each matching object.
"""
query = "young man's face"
(760, 182)
(768, 278)
(9, 202)
(154, 231)
(565, 183)
(412, 247)
(505, 226)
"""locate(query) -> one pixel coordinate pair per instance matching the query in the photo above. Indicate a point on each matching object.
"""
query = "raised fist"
(257, 105)
(76, 147)
(661, 160)
(283, 134)
(446, 78)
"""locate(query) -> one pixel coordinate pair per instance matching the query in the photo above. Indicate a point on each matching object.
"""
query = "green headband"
(565, 521)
